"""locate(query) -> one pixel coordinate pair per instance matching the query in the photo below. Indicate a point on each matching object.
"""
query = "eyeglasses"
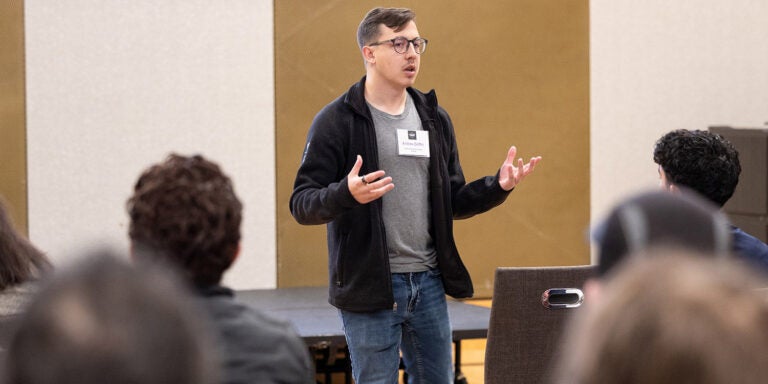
(400, 44)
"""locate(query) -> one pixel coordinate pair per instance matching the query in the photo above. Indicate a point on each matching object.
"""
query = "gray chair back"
(529, 308)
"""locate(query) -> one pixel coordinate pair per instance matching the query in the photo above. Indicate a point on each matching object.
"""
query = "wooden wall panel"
(13, 174)
(508, 72)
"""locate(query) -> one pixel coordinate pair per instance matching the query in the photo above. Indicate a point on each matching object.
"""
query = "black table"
(318, 322)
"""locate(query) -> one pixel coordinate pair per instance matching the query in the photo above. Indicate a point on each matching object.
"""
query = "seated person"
(104, 321)
(657, 218)
(184, 212)
(671, 316)
(21, 263)
(708, 164)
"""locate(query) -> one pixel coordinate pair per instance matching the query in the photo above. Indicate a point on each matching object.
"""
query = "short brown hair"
(395, 18)
(185, 211)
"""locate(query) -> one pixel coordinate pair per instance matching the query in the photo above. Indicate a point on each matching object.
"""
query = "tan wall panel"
(508, 72)
(13, 174)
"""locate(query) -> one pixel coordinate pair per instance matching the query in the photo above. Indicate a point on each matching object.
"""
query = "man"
(708, 164)
(392, 257)
(103, 321)
(184, 212)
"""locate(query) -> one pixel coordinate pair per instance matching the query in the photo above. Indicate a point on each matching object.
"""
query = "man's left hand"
(511, 175)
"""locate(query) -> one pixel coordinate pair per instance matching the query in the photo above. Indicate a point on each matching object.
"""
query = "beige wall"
(113, 86)
(661, 65)
(507, 72)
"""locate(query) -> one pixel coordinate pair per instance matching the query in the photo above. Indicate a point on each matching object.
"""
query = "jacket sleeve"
(320, 191)
(468, 199)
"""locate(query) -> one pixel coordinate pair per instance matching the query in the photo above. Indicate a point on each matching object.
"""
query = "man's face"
(397, 69)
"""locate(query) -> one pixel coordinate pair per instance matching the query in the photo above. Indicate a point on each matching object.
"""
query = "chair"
(528, 310)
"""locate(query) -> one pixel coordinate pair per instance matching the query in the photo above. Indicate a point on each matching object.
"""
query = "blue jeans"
(418, 325)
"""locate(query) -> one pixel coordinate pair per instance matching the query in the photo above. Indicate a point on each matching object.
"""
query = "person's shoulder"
(750, 248)
(256, 346)
(264, 320)
(228, 312)
(353, 96)
(743, 239)
(332, 107)
(14, 299)
(334, 110)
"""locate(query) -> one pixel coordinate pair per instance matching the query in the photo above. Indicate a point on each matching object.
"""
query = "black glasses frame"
(420, 41)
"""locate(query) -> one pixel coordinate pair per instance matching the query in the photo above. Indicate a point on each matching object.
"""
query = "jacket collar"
(355, 98)
(214, 290)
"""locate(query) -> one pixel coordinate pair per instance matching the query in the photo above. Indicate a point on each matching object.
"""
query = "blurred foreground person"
(657, 218)
(671, 317)
(107, 322)
(21, 264)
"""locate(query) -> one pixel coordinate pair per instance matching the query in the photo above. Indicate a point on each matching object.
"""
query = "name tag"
(412, 143)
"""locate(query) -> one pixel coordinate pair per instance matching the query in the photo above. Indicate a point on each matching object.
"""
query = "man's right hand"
(368, 187)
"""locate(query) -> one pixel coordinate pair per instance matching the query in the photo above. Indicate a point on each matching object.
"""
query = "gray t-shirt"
(407, 215)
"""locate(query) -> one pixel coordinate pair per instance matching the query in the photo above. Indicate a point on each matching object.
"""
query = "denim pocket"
(434, 272)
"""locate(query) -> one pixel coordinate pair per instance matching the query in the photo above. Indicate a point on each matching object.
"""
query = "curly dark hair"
(700, 160)
(185, 211)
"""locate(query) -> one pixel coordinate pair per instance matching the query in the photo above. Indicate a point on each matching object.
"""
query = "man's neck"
(385, 98)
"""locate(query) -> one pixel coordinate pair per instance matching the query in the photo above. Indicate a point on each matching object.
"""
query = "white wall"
(659, 65)
(113, 86)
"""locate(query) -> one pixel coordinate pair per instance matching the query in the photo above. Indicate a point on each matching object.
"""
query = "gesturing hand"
(368, 187)
(511, 175)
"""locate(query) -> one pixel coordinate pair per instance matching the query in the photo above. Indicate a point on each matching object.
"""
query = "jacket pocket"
(339, 267)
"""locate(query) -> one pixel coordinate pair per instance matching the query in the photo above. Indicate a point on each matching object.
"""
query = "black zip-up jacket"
(358, 262)
(252, 346)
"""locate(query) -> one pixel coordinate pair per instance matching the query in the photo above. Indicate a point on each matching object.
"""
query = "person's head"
(386, 39)
(184, 211)
(700, 160)
(658, 218)
(20, 261)
(104, 321)
(675, 318)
